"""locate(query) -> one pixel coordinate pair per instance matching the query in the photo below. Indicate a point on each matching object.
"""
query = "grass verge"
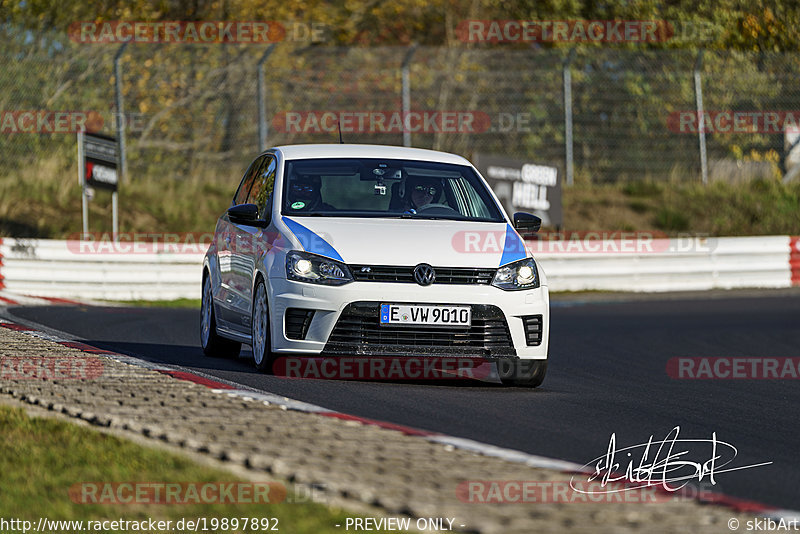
(177, 303)
(760, 207)
(42, 458)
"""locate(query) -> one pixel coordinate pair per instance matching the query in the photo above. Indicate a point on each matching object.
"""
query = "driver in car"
(305, 193)
(424, 191)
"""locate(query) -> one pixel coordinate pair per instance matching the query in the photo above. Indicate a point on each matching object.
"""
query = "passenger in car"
(305, 194)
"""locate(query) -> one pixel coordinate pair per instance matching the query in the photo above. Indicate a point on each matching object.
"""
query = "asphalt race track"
(607, 375)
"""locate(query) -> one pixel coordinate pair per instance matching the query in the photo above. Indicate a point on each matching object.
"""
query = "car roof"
(331, 150)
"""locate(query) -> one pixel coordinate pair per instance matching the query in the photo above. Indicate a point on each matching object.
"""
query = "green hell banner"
(522, 185)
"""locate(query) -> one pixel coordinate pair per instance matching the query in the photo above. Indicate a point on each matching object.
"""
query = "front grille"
(444, 275)
(297, 321)
(359, 332)
(533, 329)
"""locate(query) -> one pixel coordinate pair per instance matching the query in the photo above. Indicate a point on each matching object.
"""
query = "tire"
(263, 357)
(212, 343)
(522, 373)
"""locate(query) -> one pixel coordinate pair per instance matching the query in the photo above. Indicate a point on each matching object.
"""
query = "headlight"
(521, 274)
(305, 267)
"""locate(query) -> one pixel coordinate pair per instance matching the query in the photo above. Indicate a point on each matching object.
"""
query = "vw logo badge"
(424, 274)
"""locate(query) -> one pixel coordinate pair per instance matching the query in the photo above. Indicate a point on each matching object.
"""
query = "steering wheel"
(432, 206)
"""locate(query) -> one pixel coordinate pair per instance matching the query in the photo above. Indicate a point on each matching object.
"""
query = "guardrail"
(60, 269)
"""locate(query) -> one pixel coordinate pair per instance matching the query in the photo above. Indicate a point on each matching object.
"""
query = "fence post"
(262, 111)
(123, 158)
(701, 132)
(568, 116)
(407, 93)
(82, 181)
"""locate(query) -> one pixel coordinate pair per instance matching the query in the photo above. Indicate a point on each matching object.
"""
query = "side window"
(470, 203)
(263, 186)
(247, 181)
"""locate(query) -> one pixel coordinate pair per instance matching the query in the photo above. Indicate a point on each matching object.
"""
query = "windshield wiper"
(431, 217)
(307, 214)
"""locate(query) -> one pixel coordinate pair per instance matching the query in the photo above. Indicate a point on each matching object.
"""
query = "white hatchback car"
(366, 250)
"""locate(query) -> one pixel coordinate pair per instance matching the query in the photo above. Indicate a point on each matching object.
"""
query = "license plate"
(426, 315)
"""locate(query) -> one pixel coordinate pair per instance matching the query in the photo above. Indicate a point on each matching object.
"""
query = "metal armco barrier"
(60, 269)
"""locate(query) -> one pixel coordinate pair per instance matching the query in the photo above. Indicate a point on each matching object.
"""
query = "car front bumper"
(356, 305)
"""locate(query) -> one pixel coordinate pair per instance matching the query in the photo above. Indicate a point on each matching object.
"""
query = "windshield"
(386, 188)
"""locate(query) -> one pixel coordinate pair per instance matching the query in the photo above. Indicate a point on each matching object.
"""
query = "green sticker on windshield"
(298, 205)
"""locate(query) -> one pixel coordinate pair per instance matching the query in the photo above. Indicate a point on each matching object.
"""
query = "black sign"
(524, 186)
(100, 161)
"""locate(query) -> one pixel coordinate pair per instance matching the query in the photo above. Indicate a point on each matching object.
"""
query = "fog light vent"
(533, 329)
(297, 322)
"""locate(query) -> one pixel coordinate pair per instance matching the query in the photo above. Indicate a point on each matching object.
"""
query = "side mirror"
(246, 214)
(527, 223)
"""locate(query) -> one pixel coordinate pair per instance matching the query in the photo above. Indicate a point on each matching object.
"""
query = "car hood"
(408, 241)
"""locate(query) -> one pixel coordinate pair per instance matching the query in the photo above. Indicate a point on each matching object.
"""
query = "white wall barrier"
(61, 269)
(678, 264)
